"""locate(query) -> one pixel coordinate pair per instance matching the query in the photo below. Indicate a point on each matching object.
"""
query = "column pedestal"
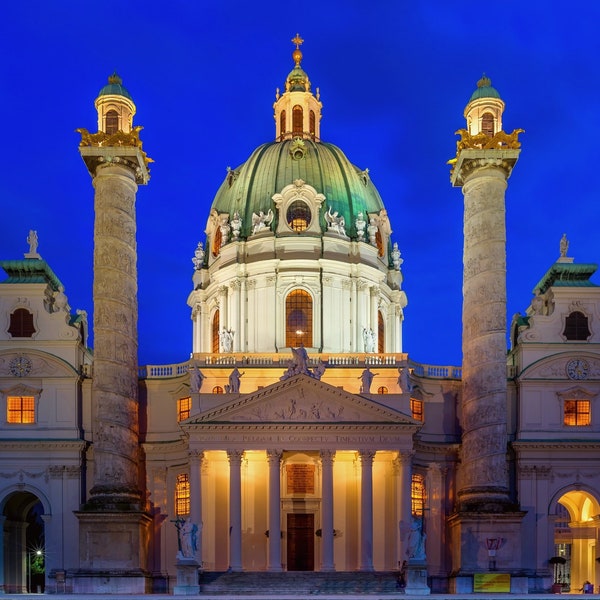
(416, 579)
(187, 578)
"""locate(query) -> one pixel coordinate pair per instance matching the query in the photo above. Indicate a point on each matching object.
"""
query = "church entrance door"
(300, 542)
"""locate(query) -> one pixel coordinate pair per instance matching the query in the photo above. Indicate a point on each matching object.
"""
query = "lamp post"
(37, 552)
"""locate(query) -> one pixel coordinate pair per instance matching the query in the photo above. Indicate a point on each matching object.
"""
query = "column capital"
(470, 160)
(274, 455)
(327, 456)
(366, 456)
(235, 456)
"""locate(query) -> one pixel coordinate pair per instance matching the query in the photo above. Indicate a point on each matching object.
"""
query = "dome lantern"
(297, 110)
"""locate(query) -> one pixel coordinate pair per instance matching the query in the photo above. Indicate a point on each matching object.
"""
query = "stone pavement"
(289, 597)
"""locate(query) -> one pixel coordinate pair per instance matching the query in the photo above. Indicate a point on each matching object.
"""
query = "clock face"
(20, 366)
(577, 368)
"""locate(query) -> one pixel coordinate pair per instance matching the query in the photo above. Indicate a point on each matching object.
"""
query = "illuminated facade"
(300, 436)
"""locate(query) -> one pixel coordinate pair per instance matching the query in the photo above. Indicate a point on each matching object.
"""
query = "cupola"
(297, 110)
(484, 110)
(115, 107)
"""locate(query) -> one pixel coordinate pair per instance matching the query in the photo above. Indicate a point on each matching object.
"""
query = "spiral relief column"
(485, 158)
(113, 516)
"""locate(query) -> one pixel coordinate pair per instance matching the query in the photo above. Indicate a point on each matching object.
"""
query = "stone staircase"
(298, 583)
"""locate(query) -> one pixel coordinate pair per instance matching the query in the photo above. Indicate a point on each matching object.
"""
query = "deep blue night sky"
(394, 78)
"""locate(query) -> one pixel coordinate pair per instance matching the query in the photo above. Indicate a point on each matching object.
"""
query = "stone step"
(299, 582)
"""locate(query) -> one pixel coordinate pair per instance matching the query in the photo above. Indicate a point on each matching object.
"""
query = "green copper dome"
(250, 187)
(485, 90)
(115, 88)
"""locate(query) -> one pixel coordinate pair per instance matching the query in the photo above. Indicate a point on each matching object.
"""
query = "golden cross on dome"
(298, 41)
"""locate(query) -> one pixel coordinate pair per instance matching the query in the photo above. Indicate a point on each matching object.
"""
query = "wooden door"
(300, 542)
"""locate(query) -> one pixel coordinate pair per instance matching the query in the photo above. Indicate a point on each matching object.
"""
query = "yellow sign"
(491, 582)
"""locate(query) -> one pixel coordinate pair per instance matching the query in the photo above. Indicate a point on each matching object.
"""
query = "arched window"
(217, 241)
(380, 333)
(487, 124)
(418, 495)
(182, 495)
(298, 319)
(382, 389)
(217, 389)
(576, 327)
(112, 122)
(282, 123)
(297, 120)
(298, 216)
(312, 123)
(21, 323)
(215, 332)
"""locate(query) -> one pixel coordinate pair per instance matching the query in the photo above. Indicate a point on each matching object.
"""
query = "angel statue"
(335, 222)
(261, 221)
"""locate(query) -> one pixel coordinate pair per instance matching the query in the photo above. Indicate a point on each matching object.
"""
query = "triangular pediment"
(302, 399)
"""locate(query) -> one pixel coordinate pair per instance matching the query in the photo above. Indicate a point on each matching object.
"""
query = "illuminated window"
(487, 124)
(576, 327)
(312, 123)
(282, 123)
(417, 495)
(215, 332)
(298, 319)
(382, 390)
(183, 408)
(416, 408)
(112, 122)
(380, 334)
(20, 409)
(217, 241)
(297, 120)
(217, 389)
(182, 495)
(298, 216)
(21, 323)
(577, 412)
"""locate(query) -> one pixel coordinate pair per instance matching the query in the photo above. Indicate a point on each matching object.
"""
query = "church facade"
(300, 435)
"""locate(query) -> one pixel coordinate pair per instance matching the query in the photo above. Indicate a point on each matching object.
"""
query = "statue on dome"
(198, 258)
(369, 340)
(396, 260)
(225, 229)
(261, 221)
(60, 300)
(335, 222)
(360, 224)
(226, 339)
(373, 229)
(236, 226)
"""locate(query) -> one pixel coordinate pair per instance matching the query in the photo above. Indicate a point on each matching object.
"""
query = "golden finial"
(484, 82)
(297, 54)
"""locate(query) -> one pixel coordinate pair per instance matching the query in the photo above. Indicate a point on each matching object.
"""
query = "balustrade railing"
(283, 361)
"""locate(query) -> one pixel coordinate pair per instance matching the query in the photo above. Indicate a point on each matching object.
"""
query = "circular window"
(298, 216)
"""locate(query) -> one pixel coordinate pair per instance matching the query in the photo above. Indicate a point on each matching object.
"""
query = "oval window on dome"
(217, 241)
(298, 216)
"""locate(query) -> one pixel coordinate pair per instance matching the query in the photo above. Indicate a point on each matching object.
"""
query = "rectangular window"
(416, 408)
(20, 409)
(417, 495)
(182, 495)
(183, 408)
(577, 412)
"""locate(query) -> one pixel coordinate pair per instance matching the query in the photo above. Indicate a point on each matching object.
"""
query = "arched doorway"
(576, 520)
(23, 567)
